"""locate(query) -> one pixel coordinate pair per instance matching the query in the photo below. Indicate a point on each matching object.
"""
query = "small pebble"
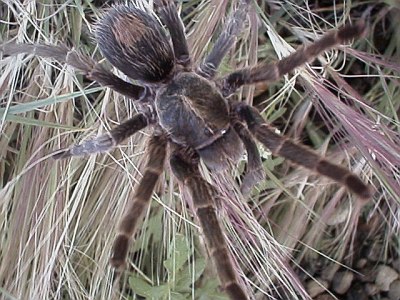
(316, 287)
(371, 289)
(329, 272)
(361, 263)
(386, 275)
(342, 282)
(324, 297)
(394, 290)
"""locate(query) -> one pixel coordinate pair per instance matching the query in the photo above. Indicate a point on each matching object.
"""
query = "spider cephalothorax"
(194, 113)
(190, 112)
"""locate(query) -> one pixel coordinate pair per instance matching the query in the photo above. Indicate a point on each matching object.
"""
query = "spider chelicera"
(191, 113)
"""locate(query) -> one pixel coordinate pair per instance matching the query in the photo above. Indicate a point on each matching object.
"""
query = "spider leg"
(255, 171)
(304, 54)
(300, 154)
(204, 206)
(225, 41)
(106, 141)
(169, 15)
(83, 63)
(128, 225)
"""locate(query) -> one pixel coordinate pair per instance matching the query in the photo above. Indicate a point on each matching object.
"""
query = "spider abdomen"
(194, 113)
(135, 43)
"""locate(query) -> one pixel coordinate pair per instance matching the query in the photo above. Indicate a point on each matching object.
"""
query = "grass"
(58, 219)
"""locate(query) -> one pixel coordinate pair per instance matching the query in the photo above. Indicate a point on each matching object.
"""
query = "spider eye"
(135, 43)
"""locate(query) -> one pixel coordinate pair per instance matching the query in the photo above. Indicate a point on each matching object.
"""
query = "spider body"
(194, 113)
(189, 107)
(192, 116)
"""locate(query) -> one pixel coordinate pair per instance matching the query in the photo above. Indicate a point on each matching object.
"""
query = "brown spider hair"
(135, 43)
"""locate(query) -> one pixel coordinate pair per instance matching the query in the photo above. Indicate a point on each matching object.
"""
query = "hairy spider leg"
(225, 41)
(106, 141)
(304, 54)
(127, 227)
(255, 171)
(204, 207)
(169, 16)
(300, 154)
(83, 63)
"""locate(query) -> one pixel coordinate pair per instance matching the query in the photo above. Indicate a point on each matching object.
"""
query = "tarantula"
(191, 113)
